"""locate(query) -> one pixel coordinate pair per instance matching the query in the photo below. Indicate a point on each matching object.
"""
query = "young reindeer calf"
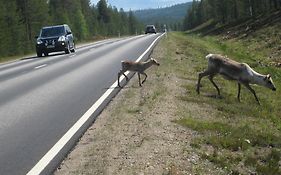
(138, 67)
(232, 70)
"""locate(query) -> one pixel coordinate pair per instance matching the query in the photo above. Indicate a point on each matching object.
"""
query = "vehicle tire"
(73, 49)
(67, 50)
(39, 54)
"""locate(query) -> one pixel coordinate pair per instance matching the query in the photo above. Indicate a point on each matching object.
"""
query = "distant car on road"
(55, 39)
(150, 29)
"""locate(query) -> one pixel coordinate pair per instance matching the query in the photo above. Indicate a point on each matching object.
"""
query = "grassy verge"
(165, 127)
(242, 138)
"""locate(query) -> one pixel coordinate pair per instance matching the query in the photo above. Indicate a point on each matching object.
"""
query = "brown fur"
(138, 67)
(232, 70)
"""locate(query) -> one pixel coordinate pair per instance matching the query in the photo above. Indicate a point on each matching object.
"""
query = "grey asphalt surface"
(41, 98)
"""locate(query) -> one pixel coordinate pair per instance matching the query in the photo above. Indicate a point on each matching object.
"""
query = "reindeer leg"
(239, 88)
(212, 81)
(139, 78)
(144, 78)
(253, 91)
(201, 75)
(122, 72)
(118, 79)
(125, 76)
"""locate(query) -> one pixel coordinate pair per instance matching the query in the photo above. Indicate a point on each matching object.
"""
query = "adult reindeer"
(232, 70)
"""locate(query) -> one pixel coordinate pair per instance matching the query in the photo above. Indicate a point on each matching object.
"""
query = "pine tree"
(103, 15)
(10, 37)
(123, 22)
(132, 23)
(89, 16)
(58, 12)
(34, 15)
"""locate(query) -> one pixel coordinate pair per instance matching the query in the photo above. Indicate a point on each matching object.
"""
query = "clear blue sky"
(141, 4)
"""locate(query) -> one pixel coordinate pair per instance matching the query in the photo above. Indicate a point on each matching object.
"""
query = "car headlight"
(61, 38)
(39, 41)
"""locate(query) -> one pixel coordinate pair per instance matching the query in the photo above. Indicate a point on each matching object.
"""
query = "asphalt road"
(41, 98)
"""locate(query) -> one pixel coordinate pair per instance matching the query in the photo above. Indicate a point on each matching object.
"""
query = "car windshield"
(53, 31)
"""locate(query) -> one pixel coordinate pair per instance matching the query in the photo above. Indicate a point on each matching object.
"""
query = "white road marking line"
(50, 155)
(41, 66)
(72, 55)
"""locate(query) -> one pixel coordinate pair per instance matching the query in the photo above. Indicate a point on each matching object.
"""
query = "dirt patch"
(136, 134)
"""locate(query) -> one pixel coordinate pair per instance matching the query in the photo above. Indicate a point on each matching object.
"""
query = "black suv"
(150, 29)
(55, 39)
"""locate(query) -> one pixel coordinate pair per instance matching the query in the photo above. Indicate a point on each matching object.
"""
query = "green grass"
(245, 137)
(232, 137)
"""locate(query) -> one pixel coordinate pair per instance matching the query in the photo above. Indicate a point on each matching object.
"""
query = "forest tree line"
(21, 21)
(225, 11)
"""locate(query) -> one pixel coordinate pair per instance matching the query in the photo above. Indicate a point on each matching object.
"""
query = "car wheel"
(39, 54)
(73, 49)
(67, 50)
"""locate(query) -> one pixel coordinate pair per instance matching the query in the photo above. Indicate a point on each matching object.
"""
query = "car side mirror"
(68, 33)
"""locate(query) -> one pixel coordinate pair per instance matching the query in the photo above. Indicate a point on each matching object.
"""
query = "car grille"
(50, 42)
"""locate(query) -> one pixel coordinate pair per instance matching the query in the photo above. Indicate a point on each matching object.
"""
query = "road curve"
(42, 98)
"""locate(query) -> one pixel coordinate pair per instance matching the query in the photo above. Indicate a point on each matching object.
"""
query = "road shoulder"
(136, 133)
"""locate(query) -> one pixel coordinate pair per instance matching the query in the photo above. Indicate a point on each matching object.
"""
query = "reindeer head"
(269, 83)
(153, 61)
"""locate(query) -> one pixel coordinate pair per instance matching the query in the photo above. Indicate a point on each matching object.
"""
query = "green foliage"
(170, 16)
(231, 137)
(9, 30)
(104, 15)
(271, 166)
(240, 137)
(21, 20)
(226, 11)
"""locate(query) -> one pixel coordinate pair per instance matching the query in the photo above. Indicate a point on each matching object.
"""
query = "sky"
(141, 4)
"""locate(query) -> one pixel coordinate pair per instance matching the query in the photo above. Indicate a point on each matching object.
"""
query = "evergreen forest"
(21, 21)
(227, 11)
(171, 16)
